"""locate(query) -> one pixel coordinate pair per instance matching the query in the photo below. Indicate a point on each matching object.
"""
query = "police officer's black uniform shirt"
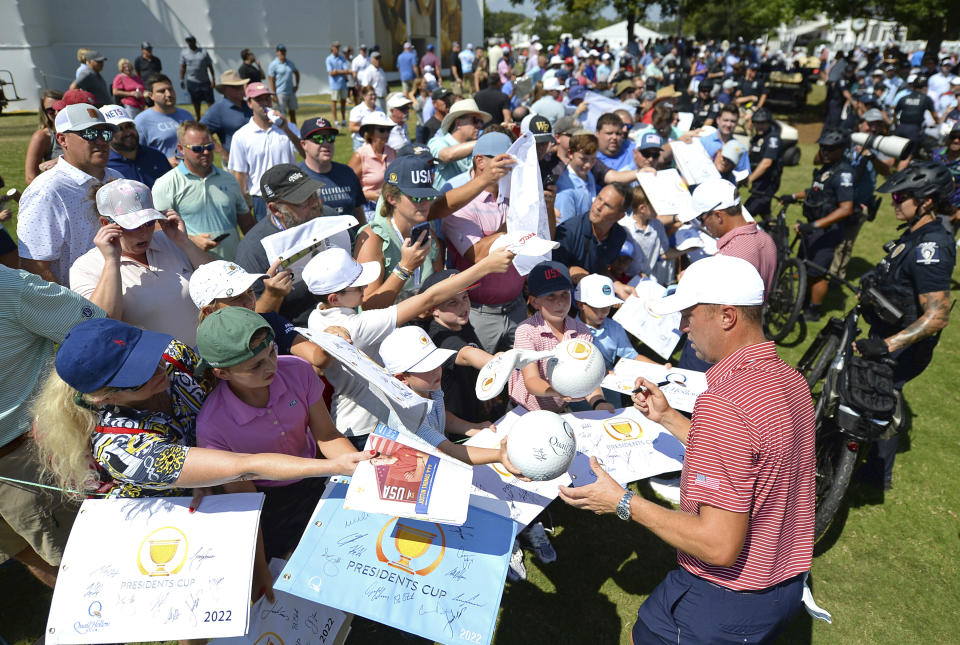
(910, 108)
(767, 146)
(922, 261)
(832, 184)
(752, 88)
(703, 110)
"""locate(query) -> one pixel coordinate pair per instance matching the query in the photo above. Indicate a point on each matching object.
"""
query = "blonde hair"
(82, 54)
(122, 62)
(63, 429)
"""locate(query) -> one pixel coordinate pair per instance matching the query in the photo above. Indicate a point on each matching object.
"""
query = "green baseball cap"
(223, 338)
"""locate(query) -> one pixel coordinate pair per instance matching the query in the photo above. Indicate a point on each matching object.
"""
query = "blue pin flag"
(438, 581)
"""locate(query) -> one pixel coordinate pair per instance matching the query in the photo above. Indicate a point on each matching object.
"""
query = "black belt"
(496, 309)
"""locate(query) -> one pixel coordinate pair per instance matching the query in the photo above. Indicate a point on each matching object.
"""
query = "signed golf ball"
(541, 445)
(576, 368)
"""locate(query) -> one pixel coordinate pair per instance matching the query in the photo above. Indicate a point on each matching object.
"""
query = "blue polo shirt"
(405, 63)
(611, 339)
(224, 118)
(159, 130)
(282, 74)
(341, 189)
(574, 195)
(712, 143)
(337, 63)
(148, 166)
(623, 161)
(579, 247)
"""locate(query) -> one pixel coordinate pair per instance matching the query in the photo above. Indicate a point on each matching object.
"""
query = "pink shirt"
(483, 216)
(130, 84)
(283, 426)
(756, 247)
(751, 450)
(534, 333)
(372, 166)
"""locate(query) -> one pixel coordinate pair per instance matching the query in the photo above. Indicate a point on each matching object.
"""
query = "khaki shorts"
(31, 516)
(286, 102)
(340, 94)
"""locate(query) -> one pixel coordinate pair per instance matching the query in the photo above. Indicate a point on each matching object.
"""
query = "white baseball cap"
(397, 100)
(334, 270)
(409, 349)
(79, 116)
(552, 84)
(115, 114)
(524, 243)
(555, 60)
(597, 291)
(128, 203)
(220, 279)
(732, 151)
(716, 280)
(711, 195)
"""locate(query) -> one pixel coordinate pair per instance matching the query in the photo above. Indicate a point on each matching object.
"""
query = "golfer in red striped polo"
(744, 531)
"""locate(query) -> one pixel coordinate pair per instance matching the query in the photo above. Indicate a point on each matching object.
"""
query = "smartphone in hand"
(417, 231)
(221, 238)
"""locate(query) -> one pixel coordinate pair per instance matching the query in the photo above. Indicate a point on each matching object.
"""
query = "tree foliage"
(732, 18)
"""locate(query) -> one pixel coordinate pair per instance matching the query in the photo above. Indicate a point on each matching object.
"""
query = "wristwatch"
(623, 507)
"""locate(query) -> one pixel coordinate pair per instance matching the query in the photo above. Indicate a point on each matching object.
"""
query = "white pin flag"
(659, 333)
(295, 246)
(527, 211)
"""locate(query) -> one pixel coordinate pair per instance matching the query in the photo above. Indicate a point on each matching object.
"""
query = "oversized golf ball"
(576, 368)
(541, 444)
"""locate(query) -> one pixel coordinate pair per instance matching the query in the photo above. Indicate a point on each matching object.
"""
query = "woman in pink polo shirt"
(265, 403)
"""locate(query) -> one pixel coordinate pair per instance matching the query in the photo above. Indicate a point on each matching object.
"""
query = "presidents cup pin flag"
(295, 246)
(629, 445)
(496, 490)
(528, 211)
(440, 582)
(291, 619)
(681, 388)
(667, 191)
(694, 163)
(410, 478)
(163, 574)
(660, 333)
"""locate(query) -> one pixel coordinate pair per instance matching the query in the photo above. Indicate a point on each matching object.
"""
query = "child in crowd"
(595, 298)
(652, 256)
(338, 280)
(450, 329)
(619, 268)
(549, 286)
(265, 404)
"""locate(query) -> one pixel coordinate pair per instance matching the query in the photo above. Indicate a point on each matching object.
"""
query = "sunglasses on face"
(899, 198)
(323, 138)
(420, 200)
(50, 111)
(405, 108)
(206, 147)
(381, 130)
(650, 154)
(92, 134)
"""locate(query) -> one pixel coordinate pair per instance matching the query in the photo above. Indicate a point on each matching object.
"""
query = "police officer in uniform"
(915, 277)
(766, 159)
(705, 109)
(752, 91)
(826, 204)
(909, 112)
(839, 93)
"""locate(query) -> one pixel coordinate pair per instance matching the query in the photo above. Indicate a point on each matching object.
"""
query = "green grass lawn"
(886, 573)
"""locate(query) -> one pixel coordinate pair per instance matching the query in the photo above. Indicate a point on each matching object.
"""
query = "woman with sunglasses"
(916, 277)
(370, 160)
(135, 273)
(43, 144)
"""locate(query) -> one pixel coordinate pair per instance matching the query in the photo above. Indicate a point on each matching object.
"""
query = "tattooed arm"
(936, 315)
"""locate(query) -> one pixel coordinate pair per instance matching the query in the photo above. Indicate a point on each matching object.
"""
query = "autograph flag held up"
(437, 581)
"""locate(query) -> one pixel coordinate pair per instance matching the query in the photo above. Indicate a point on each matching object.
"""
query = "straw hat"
(461, 108)
(231, 77)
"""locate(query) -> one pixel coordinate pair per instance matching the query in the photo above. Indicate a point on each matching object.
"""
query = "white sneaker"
(536, 536)
(666, 488)
(517, 570)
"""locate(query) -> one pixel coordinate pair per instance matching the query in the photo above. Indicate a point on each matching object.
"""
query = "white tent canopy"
(616, 34)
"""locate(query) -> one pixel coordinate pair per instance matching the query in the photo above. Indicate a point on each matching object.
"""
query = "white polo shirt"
(156, 296)
(254, 151)
(58, 217)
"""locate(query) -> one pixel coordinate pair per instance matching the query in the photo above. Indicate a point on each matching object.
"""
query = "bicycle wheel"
(785, 300)
(824, 354)
(836, 457)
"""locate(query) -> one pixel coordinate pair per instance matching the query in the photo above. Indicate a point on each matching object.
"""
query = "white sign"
(680, 387)
(496, 490)
(295, 246)
(291, 619)
(598, 105)
(693, 162)
(659, 333)
(629, 445)
(527, 211)
(667, 191)
(149, 570)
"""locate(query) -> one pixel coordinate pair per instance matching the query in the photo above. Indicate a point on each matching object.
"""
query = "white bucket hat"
(220, 279)
(409, 349)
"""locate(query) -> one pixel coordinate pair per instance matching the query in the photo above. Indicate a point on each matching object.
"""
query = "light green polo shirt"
(207, 204)
(446, 171)
(35, 315)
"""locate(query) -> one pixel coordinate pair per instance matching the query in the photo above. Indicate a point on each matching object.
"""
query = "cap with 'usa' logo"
(413, 175)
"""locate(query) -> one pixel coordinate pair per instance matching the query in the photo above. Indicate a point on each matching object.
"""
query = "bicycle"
(843, 432)
(785, 301)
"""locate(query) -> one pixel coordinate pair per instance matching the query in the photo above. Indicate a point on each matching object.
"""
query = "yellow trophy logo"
(269, 638)
(163, 552)
(411, 543)
(487, 382)
(579, 350)
(623, 429)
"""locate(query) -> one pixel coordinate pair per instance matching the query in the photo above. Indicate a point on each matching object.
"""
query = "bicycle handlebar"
(885, 309)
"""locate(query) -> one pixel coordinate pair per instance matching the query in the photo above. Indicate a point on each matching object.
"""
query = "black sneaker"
(812, 315)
